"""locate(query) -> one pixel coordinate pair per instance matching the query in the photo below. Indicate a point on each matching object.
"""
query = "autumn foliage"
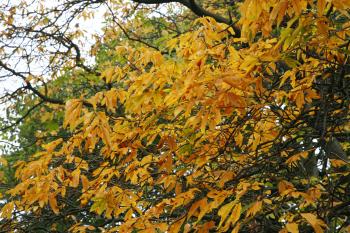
(221, 128)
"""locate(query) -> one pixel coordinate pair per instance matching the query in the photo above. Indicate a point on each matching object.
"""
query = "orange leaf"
(255, 208)
(176, 226)
(285, 187)
(75, 178)
(292, 227)
(53, 203)
(321, 5)
(236, 229)
(224, 211)
(236, 213)
(316, 223)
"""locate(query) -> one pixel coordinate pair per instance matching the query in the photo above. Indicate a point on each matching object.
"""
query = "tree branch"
(19, 120)
(29, 86)
(198, 10)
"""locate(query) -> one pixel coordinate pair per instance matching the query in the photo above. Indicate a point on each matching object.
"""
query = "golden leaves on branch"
(6, 211)
(72, 113)
(193, 130)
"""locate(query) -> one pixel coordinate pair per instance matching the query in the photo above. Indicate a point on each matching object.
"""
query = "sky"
(91, 27)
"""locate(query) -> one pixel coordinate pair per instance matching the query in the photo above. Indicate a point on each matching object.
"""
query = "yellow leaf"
(224, 211)
(255, 208)
(72, 113)
(176, 226)
(279, 11)
(85, 182)
(195, 206)
(300, 101)
(42, 199)
(91, 228)
(75, 178)
(299, 6)
(146, 160)
(205, 228)
(268, 201)
(50, 147)
(172, 143)
(204, 123)
(316, 223)
(6, 211)
(321, 5)
(239, 139)
(285, 187)
(53, 203)
(337, 162)
(236, 229)
(292, 227)
(322, 26)
(200, 208)
(233, 81)
(295, 158)
(236, 213)
(111, 99)
(107, 74)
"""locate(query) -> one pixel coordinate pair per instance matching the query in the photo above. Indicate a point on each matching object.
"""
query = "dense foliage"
(237, 121)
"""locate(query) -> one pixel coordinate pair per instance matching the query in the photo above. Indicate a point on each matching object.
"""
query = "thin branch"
(30, 87)
(19, 120)
(198, 10)
(126, 33)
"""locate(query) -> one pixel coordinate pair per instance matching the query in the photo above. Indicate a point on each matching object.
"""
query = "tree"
(237, 123)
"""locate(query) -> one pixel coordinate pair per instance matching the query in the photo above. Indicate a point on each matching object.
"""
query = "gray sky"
(90, 27)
